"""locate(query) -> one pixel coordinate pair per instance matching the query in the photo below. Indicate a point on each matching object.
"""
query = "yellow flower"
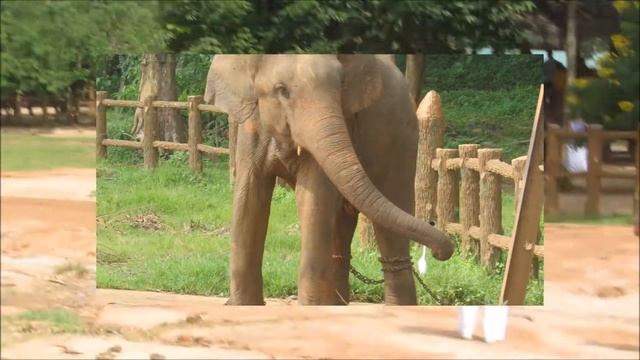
(572, 100)
(604, 72)
(625, 106)
(620, 5)
(621, 43)
(581, 83)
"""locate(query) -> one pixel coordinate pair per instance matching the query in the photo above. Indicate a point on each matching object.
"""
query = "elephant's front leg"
(318, 202)
(252, 194)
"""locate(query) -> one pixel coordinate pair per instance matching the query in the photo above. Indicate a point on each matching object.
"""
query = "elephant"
(342, 131)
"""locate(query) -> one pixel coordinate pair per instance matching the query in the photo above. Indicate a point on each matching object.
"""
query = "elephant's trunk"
(331, 146)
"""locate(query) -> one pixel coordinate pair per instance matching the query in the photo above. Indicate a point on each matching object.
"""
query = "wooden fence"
(470, 179)
(597, 138)
(150, 143)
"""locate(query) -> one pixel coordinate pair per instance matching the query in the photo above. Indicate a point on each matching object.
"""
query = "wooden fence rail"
(596, 168)
(150, 143)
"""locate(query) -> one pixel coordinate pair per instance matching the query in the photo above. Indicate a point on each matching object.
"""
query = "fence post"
(366, 232)
(447, 188)
(195, 133)
(431, 136)
(470, 197)
(150, 134)
(552, 169)
(490, 207)
(518, 165)
(595, 141)
(101, 124)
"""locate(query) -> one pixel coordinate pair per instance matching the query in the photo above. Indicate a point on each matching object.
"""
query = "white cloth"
(575, 159)
(494, 322)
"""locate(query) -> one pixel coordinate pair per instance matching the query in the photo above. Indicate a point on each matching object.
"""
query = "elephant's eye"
(282, 90)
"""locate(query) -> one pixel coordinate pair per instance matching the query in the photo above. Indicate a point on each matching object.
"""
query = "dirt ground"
(48, 220)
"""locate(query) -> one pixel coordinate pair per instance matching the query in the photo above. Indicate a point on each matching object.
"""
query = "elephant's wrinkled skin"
(340, 129)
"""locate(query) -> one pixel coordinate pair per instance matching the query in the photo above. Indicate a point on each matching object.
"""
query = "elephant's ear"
(361, 82)
(230, 85)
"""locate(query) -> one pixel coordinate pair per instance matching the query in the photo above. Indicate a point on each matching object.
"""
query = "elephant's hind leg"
(345, 226)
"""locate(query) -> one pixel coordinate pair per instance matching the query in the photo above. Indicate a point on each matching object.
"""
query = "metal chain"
(363, 278)
(424, 286)
(370, 281)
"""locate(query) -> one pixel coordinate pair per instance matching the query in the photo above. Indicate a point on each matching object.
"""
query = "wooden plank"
(516, 276)
(122, 103)
(447, 189)
(210, 108)
(470, 197)
(490, 207)
(122, 143)
(169, 145)
(150, 132)
(170, 104)
(212, 150)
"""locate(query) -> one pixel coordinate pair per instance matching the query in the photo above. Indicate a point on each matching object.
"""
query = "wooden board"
(521, 251)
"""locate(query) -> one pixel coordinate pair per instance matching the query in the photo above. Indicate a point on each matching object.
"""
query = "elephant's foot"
(399, 286)
(235, 301)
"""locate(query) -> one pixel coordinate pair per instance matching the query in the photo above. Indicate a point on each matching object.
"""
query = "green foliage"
(482, 72)
(59, 320)
(49, 45)
(613, 98)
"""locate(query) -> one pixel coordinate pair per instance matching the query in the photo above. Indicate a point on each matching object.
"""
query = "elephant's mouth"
(329, 143)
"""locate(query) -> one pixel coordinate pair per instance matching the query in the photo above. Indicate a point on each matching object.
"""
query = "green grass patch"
(492, 119)
(168, 230)
(25, 151)
(617, 219)
(58, 320)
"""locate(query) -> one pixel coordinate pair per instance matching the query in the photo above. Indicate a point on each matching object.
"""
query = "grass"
(492, 119)
(25, 151)
(58, 320)
(617, 219)
(169, 231)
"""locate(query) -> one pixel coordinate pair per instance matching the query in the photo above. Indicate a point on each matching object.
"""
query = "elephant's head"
(303, 100)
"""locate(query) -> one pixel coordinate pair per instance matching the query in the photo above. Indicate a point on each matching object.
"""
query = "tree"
(49, 45)
(158, 82)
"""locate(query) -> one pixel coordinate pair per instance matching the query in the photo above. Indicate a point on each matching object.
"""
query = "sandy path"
(591, 299)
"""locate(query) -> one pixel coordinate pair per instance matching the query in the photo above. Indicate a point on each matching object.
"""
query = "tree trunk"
(158, 81)
(571, 47)
(414, 73)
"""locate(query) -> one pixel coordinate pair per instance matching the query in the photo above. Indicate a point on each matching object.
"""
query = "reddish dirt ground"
(48, 220)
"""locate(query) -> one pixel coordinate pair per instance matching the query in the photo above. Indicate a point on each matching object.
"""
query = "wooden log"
(150, 132)
(170, 145)
(473, 164)
(499, 241)
(552, 169)
(475, 232)
(101, 124)
(171, 104)
(447, 189)
(122, 103)
(470, 196)
(594, 170)
(209, 108)
(122, 143)
(490, 207)
(195, 133)
(453, 228)
(501, 168)
(366, 232)
(431, 136)
(527, 224)
(620, 135)
(212, 150)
